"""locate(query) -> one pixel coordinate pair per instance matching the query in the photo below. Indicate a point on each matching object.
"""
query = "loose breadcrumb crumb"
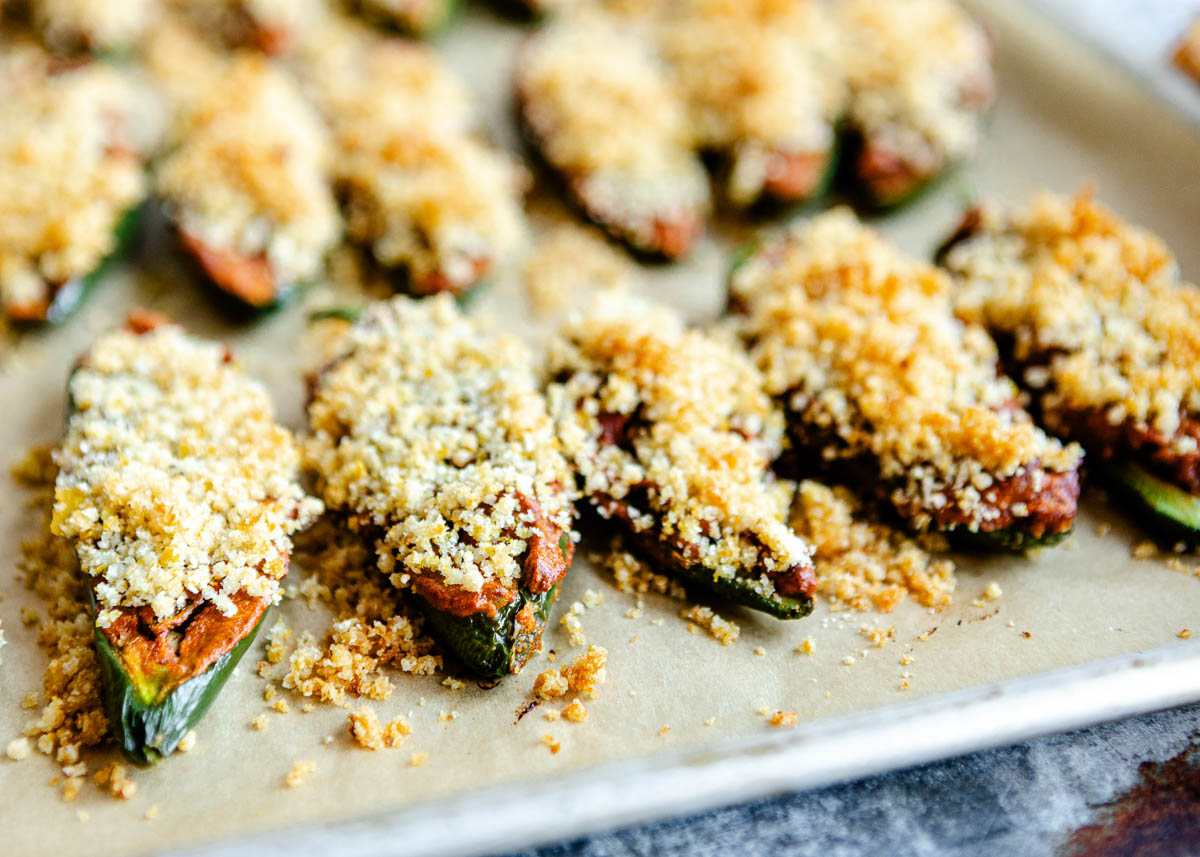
(188, 742)
(115, 780)
(723, 630)
(553, 715)
(586, 673)
(1185, 634)
(417, 759)
(849, 661)
(552, 743)
(664, 730)
(575, 712)
(570, 621)
(299, 773)
(281, 706)
(760, 651)
(710, 721)
(784, 719)
(152, 812)
(549, 684)
(1144, 549)
(878, 636)
(260, 722)
(807, 647)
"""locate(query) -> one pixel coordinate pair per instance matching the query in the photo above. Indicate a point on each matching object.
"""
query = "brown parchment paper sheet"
(1063, 118)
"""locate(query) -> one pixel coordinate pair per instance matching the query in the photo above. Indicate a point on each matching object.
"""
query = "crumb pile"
(1097, 320)
(668, 430)
(71, 146)
(432, 437)
(246, 175)
(863, 565)
(861, 345)
(72, 717)
(371, 632)
(420, 190)
(175, 483)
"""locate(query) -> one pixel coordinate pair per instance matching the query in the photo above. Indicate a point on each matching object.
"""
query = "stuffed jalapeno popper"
(71, 181)
(433, 441)
(596, 102)
(245, 185)
(885, 390)
(180, 494)
(920, 80)
(672, 437)
(275, 27)
(425, 197)
(1092, 318)
(763, 90)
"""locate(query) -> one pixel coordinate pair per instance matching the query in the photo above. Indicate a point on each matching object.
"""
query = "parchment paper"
(1063, 119)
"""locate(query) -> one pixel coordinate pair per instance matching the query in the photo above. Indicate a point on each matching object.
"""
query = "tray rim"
(821, 752)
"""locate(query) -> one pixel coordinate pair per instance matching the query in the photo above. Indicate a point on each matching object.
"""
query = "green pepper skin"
(149, 729)
(491, 647)
(737, 591)
(71, 294)
(1010, 539)
(1168, 508)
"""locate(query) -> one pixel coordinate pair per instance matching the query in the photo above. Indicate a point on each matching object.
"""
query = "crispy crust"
(1064, 265)
(883, 389)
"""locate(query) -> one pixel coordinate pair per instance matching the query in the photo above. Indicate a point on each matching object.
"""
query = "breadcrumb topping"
(420, 191)
(1094, 309)
(598, 100)
(371, 734)
(69, 171)
(370, 632)
(436, 436)
(757, 78)
(725, 631)
(861, 344)
(699, 434)
(247, 174)
(175, 481)
(920, 76)
(72, 718)
(1187, 54)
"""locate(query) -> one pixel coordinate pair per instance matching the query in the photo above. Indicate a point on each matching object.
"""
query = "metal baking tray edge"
(813, 754)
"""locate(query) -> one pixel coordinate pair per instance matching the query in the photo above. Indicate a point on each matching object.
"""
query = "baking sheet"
(1063, 118)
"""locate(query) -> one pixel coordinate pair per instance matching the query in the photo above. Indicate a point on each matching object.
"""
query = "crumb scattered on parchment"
(371, 632)
(1144, 549)
(864, 565)
(72, 717)
(878, 636)
(114, 779)
(18, 749)
(260, 722)
(568, 262)
(849, 661)
(784, 719)
(188, 743)
(417, 759)
(710, 721)
(366, 729)
(152, 812)
(1185, 634)
(723, 630)
(807, 647)
(635, 577)
(570, 621)
(583, 675)
(280, 706)
(551, 742)
(299, 773)
(664, 730)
